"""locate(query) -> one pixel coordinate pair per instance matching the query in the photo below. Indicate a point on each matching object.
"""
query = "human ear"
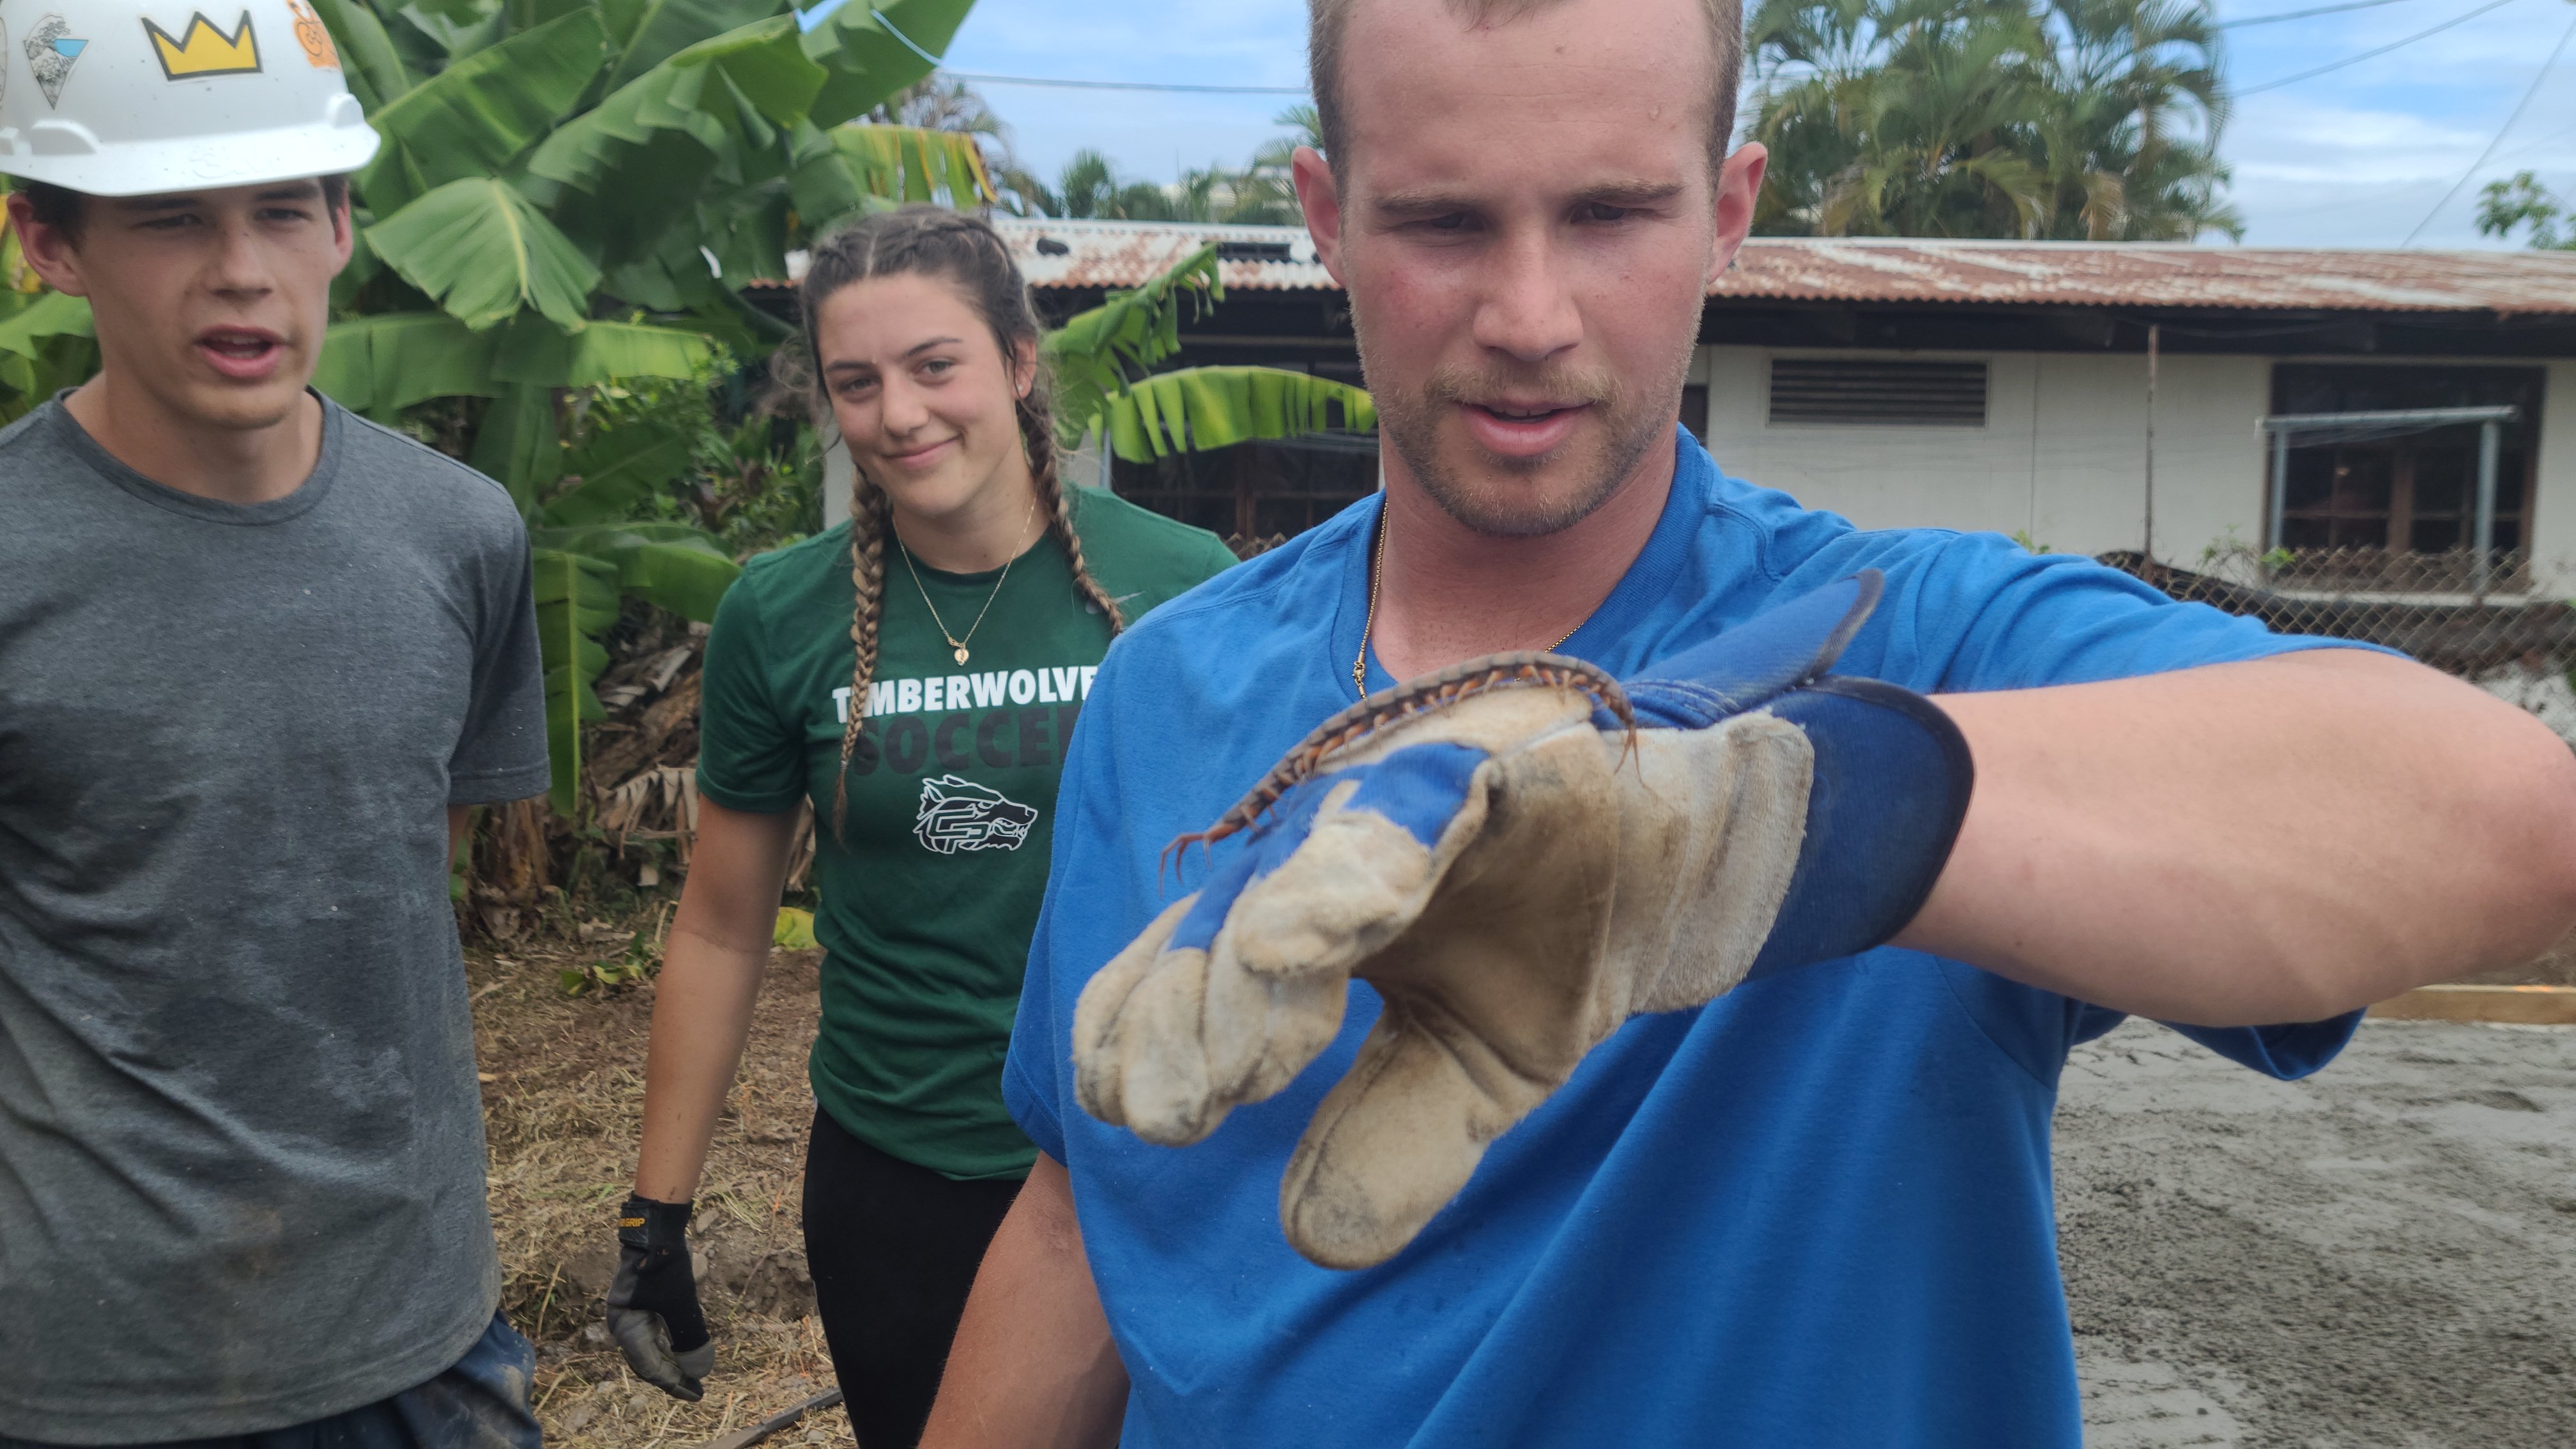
(1024, 366)
(1320, 199)
(48, 251)
(344, 237)
(1739, 183)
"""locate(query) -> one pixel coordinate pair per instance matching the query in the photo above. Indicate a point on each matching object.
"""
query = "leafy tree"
(1259, 194)
(2066, 119)
(1089, 186)
(2504, 205)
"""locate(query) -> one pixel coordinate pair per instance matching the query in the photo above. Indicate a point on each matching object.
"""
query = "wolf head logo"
(958, 814)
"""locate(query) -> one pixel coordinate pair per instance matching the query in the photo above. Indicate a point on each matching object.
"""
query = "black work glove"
(653, 1301)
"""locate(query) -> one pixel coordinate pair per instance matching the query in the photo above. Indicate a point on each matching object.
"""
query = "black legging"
(893, 1249)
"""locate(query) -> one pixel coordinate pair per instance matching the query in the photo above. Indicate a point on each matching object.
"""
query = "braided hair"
(965, 251)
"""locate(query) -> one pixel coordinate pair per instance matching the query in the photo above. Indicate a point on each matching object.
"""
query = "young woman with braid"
(915, 674)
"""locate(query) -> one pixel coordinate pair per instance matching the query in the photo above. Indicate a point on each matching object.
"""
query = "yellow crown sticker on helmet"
(314, 36)
(202, 50)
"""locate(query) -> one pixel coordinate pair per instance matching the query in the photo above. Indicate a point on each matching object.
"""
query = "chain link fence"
(2450, 610)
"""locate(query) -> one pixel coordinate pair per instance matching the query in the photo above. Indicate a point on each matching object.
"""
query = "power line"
(1097, 85)
(2498, 140)
(2291, 80)
(2302, 14)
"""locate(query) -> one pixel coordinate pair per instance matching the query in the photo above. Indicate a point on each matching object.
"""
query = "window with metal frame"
(2415, 493)
(1873, 392)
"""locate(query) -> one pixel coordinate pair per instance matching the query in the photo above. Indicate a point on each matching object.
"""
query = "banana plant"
(1200, 408)
(571, 193)
(1103, 362)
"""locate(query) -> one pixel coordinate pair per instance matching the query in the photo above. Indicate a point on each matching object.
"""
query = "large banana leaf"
(907, 163)
(47, 314)
(698, 91)
(618, 470)
(576, 598)
(671, 565)
(1094, 354)
(646, 33)
(480, 250)
(475, 117)
(533, 352)
(45, 346)
(455, 37)
(869, 58)
(516, 443)
(376, 74)
(382, 364)
(1200, 408)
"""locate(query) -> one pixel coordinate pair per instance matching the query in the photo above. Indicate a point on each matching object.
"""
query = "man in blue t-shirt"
(1816, 1209)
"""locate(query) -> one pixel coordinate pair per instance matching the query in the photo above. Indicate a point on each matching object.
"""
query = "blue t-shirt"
(1816, 1211)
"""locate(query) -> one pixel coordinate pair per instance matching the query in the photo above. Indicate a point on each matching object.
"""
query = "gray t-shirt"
(241, 1145)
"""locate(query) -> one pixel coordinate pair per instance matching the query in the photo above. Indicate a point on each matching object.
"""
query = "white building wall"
(2553, 523)
(2062, 458)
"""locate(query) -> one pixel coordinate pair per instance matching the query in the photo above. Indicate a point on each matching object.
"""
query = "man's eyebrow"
(1421, 201)
(300, 191)
(1431, 201)
(1628, 193)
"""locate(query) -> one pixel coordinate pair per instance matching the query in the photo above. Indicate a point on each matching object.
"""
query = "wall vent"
(1868, 393)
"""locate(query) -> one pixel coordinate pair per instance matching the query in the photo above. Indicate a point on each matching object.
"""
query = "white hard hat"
(136, 97)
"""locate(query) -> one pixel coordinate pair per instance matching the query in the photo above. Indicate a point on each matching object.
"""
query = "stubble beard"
(1527, 497)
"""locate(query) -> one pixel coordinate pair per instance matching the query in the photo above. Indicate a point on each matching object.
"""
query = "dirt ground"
(2383, 1257)
(563, 1093)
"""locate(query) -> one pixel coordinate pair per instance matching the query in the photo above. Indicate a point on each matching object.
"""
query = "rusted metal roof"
(1918, 272)
(1127, 253)
(2134, 274)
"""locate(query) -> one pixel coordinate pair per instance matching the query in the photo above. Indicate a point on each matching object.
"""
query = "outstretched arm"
(2282, 840)
(702, 1002)
(1033, 1366)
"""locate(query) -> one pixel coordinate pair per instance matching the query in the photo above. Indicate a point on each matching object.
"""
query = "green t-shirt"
(930, 900)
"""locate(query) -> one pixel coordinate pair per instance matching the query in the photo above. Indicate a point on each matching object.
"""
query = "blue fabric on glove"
(1892, 778)
(1420, 788)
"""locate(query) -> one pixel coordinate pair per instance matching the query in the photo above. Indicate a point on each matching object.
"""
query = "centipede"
(1413, 699)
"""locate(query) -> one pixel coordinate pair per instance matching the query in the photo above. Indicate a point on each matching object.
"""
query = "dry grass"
(563, 1092)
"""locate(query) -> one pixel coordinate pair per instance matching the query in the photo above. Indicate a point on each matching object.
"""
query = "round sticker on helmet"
(314, 36)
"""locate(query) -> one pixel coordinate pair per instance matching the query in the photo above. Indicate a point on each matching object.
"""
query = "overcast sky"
(2355, 157)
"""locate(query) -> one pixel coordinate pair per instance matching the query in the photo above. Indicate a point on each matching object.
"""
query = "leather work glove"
(653, 1301)
(1517, 873)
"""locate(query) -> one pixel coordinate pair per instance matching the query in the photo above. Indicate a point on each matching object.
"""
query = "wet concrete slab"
(2382, 1257)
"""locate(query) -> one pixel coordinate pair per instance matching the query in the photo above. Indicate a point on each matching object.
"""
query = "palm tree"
(1089, 186)
(2136, 101)
(1900, 117)
(2010, 118)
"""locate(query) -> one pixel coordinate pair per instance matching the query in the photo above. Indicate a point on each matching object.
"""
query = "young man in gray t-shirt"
(256, 657)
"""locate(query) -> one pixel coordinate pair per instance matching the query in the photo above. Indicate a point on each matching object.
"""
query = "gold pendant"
(961, 653)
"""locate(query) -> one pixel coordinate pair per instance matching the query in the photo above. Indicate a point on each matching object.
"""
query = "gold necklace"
(956, 644)
(1368, 626)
